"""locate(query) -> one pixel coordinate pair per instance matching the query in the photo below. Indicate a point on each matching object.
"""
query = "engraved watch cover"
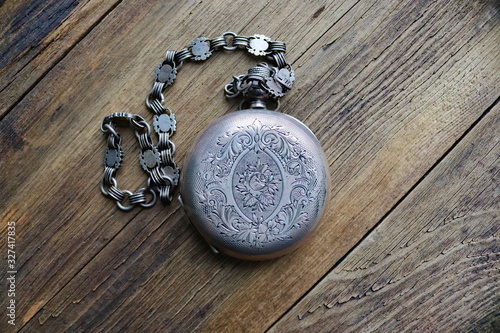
(255, 184)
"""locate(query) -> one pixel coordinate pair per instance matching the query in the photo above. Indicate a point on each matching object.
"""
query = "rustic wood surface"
(403, 95)
(432, 264)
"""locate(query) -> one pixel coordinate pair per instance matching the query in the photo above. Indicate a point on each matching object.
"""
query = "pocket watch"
(255, 183)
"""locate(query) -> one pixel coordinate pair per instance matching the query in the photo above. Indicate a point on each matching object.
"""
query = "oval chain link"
(157, 160)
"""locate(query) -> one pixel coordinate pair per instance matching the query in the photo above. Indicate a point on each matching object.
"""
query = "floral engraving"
(261, 212)
(258, 185)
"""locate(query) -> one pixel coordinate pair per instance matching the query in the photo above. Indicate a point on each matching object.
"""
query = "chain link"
(263, 82)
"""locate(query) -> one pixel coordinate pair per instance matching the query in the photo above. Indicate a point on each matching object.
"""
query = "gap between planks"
(54, 63)
(439, 161)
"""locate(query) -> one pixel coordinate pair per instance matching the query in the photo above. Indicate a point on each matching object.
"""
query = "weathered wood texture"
(431, 265)
(387, 86)
(35, 35)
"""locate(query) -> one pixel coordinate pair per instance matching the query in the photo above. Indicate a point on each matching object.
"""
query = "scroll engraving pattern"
(297, 163)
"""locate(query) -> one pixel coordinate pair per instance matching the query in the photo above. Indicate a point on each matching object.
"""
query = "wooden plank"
(35, 35)
(388, 87)
(432, 264)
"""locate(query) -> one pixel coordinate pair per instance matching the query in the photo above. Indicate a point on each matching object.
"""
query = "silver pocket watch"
(255, 183)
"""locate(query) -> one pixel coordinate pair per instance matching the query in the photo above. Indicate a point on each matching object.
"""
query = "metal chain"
(262, 83)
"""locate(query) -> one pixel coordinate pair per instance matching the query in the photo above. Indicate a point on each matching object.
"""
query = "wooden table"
(402, 94)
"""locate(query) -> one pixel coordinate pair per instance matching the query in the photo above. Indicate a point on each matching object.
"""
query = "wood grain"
(35, 35)
(388, 87)
(432, 265)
